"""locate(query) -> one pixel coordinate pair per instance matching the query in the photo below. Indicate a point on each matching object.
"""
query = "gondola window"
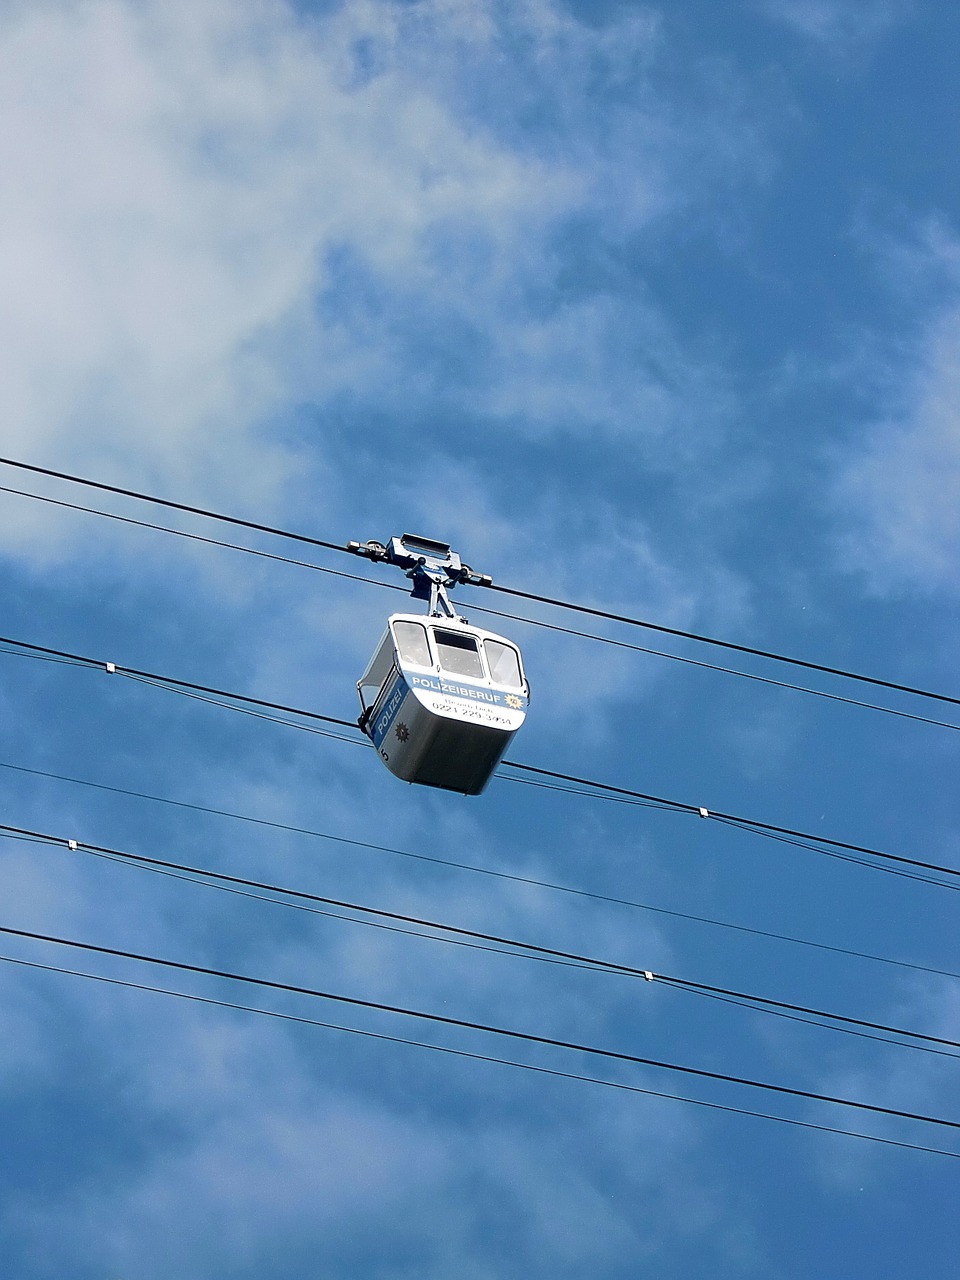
(412, 643)
(504, 664)
(459, 654)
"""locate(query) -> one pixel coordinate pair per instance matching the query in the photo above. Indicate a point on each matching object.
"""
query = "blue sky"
(652, 308)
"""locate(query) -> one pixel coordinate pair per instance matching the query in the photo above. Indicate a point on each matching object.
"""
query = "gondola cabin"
(441, 700)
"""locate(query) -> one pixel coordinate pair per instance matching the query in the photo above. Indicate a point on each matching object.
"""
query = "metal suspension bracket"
(431, 566)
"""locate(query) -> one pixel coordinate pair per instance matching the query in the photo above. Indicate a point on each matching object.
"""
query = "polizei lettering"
(457, 690)
(388, 712)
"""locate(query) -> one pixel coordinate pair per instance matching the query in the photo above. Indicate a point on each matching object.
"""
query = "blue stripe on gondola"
(381, 726)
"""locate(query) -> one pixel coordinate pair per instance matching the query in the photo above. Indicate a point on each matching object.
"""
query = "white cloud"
(842, 27)
(898, 491)
(169, 199)
(181, 200)
(600, 368)
(262, 1142)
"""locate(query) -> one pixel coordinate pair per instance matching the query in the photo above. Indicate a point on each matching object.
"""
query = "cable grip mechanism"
(432, 567)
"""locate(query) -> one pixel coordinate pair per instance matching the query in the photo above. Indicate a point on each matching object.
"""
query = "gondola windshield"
(440, 699)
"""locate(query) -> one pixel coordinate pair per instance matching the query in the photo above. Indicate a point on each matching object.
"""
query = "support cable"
(533, 950)
(729, 645)
(495, 613)
(768, 829)
(220, 542)
(510, 1033)
(474, 869)
(746, 824)
(464, 1053)
(174, 506)
(515, 592)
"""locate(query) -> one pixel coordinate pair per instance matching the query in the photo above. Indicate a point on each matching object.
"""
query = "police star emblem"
(514, 701)
(402, 732)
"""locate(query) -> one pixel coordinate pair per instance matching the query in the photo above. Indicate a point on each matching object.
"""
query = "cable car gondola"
(440, 699)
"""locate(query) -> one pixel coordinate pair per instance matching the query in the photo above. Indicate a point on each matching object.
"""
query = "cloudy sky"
(651, 308)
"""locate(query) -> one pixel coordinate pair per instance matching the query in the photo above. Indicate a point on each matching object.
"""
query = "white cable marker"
(111, 667)
(72, 845)
(704, 813)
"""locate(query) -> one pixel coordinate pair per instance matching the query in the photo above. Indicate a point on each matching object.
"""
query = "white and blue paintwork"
(435, 728)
